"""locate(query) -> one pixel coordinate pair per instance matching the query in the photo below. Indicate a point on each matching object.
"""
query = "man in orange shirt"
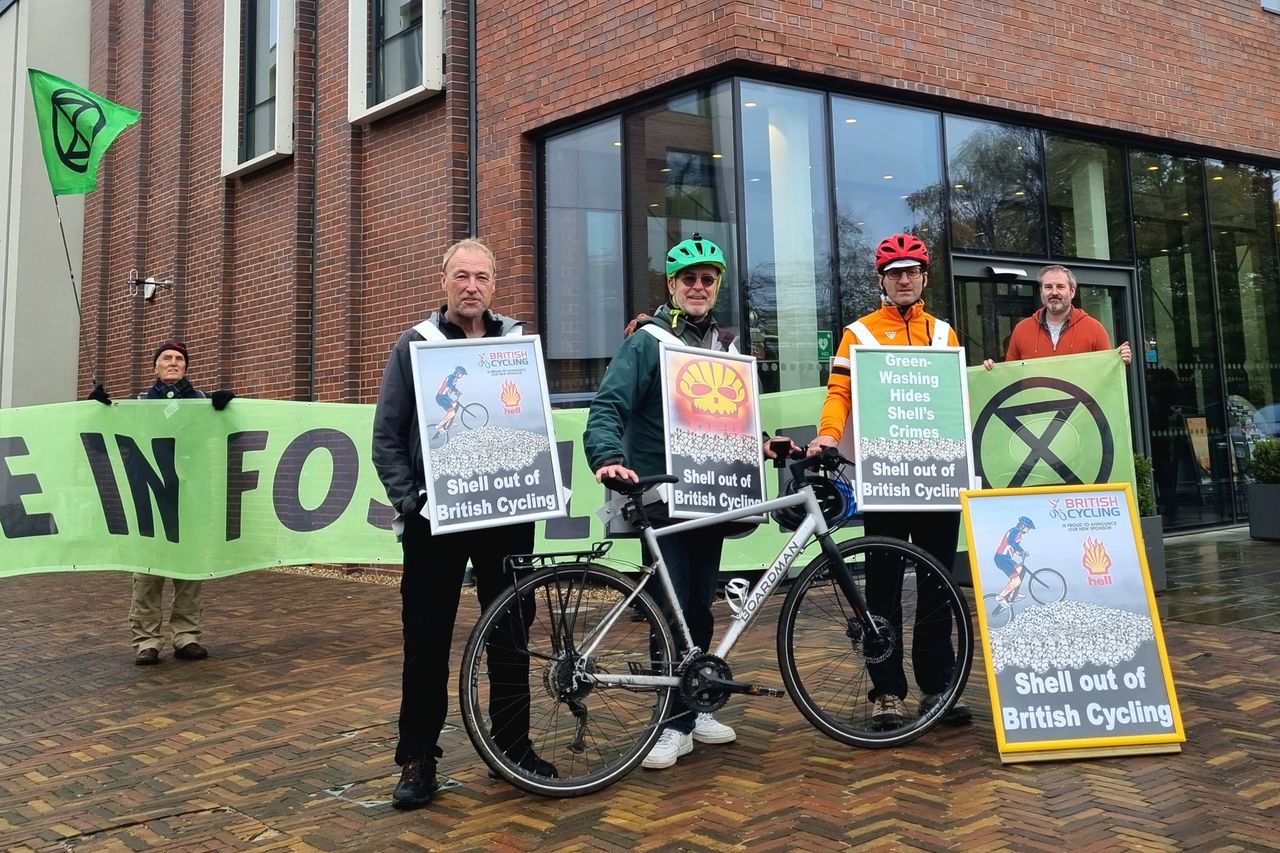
(903, 264)
(1058, 328)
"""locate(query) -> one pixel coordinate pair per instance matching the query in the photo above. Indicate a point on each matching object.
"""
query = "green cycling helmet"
(694, 251)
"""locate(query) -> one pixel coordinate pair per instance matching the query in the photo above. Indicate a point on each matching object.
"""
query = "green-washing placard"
(911, 428)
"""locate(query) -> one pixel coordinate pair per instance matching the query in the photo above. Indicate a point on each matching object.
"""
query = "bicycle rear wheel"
(832, 667)
(1046, 586)
(998, 613)
(528, 644)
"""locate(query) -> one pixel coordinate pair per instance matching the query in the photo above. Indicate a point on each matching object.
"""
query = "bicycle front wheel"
(999, 614)
(1046, 586)
(834, 667)
(474, 415)
(527, 685)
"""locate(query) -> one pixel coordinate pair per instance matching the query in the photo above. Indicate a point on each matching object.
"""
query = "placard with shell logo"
(711, 407)
(1075, 657)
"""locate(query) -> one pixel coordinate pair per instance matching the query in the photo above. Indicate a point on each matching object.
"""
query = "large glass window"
(585, 309)
(397, 48)
(258, 125)
(680, 176)
(997, 187)
(1184, 398)
(1242, 231)
(790, 289)
(888, 173)
(1085, 186)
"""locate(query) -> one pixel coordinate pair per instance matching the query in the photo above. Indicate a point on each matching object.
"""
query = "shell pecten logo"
(1097, 562)
(713, 388)
(510, 397)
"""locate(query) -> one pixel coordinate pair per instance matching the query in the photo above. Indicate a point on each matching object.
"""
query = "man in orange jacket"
(1058, 328)
(903, 264)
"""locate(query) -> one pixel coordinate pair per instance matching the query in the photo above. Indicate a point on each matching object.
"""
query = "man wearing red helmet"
(902, 262)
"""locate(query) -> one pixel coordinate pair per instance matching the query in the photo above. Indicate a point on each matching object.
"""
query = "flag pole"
(75, 294)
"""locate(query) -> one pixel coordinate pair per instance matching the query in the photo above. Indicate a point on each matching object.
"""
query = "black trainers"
(958, 715)
(530, 762)
(417, 784)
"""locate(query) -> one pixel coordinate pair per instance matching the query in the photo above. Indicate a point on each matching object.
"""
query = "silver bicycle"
(559, 653)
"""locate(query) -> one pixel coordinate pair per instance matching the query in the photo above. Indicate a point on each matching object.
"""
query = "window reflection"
(258, 127)
(584, 273)
(397, 48)
(1184, 400)
(1085, 185)
(680, 161)
(888, 168)
(997, 189)
(1242, 233)
(789, 286)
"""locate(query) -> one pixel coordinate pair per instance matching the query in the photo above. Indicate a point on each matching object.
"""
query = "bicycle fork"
(861, 612)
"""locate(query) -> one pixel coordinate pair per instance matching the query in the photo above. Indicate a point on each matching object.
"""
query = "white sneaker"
(707, 729)
(670, 746)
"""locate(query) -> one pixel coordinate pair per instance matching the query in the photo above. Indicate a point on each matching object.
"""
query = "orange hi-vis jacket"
(889, 327)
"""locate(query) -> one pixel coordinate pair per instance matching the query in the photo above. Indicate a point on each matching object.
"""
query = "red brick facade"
(293, 282)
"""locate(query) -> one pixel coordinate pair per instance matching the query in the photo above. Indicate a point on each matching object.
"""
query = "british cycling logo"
(1087, 512)
(503, 362)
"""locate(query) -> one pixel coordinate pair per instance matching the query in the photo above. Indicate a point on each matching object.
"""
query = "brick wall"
(335, 251)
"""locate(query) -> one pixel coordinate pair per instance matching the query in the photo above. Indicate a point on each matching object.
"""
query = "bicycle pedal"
(762, 690)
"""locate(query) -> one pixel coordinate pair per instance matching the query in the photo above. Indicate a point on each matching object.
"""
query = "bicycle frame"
(814, 525)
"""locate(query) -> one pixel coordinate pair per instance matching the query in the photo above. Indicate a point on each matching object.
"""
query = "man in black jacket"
(434, 565)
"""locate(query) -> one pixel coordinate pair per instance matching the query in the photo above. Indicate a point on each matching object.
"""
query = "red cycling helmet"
(901, 247)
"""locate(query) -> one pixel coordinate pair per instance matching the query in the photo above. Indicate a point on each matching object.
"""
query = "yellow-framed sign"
(1075, 657)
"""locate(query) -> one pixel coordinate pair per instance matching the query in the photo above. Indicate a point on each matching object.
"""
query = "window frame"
(233, 89)
(360, 15)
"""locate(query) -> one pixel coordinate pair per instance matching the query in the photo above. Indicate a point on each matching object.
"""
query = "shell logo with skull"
(712, 387)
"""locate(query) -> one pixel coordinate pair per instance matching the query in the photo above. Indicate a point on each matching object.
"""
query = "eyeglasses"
(910, 273)
(706, 279)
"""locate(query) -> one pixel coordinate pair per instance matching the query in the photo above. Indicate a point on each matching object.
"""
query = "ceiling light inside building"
(851, 121)
(717, 156)
(749, 104)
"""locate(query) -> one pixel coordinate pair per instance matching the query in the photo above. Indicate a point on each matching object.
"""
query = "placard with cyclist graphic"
(484, 419)
(910, 420)
(1076, 662)
(711, 409)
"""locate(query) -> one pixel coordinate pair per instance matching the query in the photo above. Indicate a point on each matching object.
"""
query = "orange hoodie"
(1031, 338)
(891, 327)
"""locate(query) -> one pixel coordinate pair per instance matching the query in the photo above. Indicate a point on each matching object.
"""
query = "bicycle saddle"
(627, 487)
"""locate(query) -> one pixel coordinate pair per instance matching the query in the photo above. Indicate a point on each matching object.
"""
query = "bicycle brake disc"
(698, 685)
(875, 649)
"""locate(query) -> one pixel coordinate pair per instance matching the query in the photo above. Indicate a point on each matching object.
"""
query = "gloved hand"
(221, 398)
(414, 504)
(100, 394)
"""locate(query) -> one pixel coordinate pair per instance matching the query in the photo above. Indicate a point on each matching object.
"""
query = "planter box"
(1264, 515)
(1153, 538)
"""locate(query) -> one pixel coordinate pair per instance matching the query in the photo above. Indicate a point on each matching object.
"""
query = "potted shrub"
(1264, 491)
(1152, 523)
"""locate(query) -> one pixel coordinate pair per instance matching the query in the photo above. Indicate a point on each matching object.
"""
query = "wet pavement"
(283, 740)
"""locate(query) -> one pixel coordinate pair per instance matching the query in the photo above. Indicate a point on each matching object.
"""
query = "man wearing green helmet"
(626, 438)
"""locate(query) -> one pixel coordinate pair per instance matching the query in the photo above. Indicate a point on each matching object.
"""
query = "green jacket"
(624, 424)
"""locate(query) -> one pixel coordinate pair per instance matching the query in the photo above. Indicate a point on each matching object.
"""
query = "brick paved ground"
(283, 739)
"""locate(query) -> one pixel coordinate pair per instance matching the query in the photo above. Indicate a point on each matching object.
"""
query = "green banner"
(181, 490)
(76, 129)
(1052, 421)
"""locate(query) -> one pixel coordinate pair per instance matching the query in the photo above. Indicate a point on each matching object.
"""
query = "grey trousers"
(146, 611)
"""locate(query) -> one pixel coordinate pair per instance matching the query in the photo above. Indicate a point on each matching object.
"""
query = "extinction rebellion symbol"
(997, 416)
(77, 120)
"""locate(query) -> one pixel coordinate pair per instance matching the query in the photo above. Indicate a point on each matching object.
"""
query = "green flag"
(76, 128)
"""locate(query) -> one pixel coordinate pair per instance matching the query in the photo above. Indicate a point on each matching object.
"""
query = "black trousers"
(434, 567)
(932, 655)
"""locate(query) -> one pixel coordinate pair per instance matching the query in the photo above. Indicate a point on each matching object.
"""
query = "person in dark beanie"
(146, 610)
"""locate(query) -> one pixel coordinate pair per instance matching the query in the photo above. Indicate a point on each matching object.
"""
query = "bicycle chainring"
(697, 686)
